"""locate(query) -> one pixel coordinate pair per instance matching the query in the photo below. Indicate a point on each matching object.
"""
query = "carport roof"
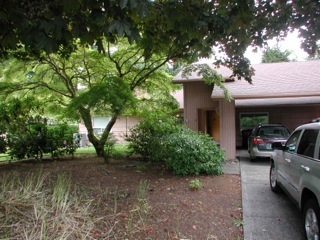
(263, 102)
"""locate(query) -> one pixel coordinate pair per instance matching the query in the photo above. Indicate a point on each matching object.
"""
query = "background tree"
(89, 83)
(315, 56)
(275, 54)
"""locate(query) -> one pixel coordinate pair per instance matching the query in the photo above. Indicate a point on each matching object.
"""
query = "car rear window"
(273, 132)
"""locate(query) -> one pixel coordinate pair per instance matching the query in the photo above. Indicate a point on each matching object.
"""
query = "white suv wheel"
(273, 179)
(311, 220)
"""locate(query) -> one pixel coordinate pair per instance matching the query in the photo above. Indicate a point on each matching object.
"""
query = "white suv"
(295, 168)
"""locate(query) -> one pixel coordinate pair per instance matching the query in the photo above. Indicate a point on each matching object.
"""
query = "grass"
(122, 148)
(32, 207)
(140, 210)
(4, 157)
(85, 150)
(42, 206)
(119, 150)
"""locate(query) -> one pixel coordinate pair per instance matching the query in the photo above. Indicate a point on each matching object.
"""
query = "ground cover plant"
(84, 198)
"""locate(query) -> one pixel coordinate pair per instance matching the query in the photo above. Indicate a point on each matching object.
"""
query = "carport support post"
(228, 128)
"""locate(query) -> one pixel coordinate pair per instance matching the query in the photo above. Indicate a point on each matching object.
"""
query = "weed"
(238, 222)
(142, 167)
(31, 209)
(140, 210)
(195, 184)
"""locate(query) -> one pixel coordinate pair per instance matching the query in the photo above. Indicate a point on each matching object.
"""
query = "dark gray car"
(261, 139)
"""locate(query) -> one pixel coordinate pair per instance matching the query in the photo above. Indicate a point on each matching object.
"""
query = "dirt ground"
(163, 208)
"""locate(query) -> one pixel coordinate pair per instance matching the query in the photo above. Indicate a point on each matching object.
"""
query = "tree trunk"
(98, 144)
(87, 119)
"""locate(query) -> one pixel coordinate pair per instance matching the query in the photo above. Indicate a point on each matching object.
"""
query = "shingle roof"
(195, 77)
(277, 80)
(271, 80)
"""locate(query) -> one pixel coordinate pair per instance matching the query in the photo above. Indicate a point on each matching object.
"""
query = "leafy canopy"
(182, 29)
(88, 84)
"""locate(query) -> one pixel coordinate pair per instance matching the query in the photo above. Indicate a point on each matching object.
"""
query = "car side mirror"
(278, 146)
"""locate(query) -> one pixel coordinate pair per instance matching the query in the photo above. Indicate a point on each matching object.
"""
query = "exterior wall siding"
(227, 126)
(121, 129)
(197, 96)
(199, 100)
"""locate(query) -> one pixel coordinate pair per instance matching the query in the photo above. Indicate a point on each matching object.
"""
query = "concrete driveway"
(266, 215)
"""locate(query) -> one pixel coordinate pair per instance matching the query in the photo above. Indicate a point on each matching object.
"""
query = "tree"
(188, 29)
(89, 83)
(315, 56)
(159, 31)
(275, 55)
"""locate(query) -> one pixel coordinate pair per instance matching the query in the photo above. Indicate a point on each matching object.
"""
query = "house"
(287, 93)
(121, 128)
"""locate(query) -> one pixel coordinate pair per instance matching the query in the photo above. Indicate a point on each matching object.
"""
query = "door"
(213, 124)
(302, 161)
(285, 161)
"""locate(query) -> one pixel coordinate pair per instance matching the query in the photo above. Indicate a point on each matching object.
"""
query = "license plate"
(269, 146)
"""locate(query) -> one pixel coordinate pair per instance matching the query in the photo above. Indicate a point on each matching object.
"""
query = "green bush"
(3, 145)
(19, 145)
(191, 153)
(41, 139)
(183, 151)
(149, 137)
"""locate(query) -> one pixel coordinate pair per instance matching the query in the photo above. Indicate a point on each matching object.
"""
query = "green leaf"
(123, 3)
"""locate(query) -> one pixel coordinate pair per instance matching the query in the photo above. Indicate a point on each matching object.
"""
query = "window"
(98, 130)
(308, 142)
(292, 141)
(250, 120)
(274, 131)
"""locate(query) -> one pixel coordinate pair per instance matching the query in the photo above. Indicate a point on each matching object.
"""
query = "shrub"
(18, 145)
(39, 139)
(148, 138)
(3, 145)
(180, 149)
(188, 152)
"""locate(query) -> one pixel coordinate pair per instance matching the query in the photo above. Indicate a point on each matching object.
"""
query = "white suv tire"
(311, 218)
(273, 177)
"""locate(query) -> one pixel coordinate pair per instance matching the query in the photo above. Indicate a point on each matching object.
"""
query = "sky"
(292, 43)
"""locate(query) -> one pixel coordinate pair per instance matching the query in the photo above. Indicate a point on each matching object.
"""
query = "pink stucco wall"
(120, 129)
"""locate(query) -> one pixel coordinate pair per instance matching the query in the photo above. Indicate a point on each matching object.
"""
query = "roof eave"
(266, 96)
(187, 81)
